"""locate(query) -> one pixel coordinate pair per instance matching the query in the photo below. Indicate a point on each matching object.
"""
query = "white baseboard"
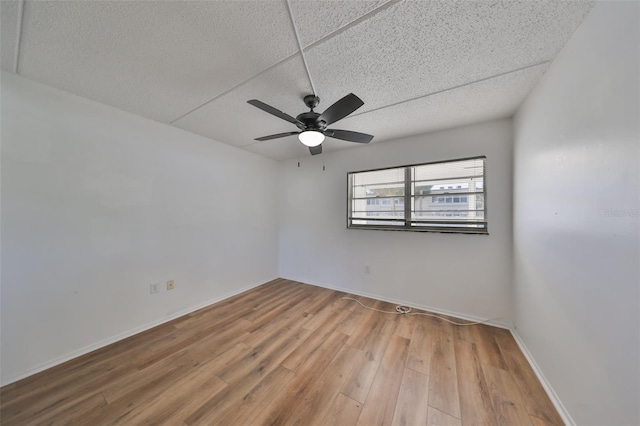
(496, 323)
(121, 336)
(562, 410)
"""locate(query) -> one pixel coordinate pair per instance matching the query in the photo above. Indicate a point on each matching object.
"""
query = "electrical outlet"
(154, 288)
(170, 285)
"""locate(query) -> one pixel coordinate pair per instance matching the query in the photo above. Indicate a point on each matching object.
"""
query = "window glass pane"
(377, 194)
(378, 183)
(361, 210)
(444, 196)
(449, 169)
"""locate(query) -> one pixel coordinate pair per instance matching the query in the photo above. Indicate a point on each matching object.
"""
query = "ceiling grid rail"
(318, 42)
(19, 35)
(300, 48)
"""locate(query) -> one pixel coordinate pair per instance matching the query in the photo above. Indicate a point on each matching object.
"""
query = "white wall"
(465, 274)
(98, 203)
(577, 279)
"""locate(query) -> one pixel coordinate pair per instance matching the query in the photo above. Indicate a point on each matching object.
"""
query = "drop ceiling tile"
(9, 19)
(417, 47)
(158, 59)
(230, 119)
(491, 99)
(317, 19)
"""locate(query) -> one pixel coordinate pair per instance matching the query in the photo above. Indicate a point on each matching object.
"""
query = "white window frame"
(471, 226)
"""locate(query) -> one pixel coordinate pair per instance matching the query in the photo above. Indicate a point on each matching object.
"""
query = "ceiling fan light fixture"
(311, 138)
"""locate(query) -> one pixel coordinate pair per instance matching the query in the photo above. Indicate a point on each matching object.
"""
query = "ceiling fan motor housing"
(311, 101)
(310, 121)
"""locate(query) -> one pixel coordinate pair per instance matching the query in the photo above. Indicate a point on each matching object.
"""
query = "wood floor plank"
(49, 398)
(223, 333)
(359, 383)
(537, 402)
(379, 338)
(257, 365)
(172, 398)
(290, 353)
(118, 410)
(72, 407)
(301, 353)
(488, 348)
(370, 321)
(373, 336)
(443, 379)
(419, 358)
(69, 380)
(440, 418)
(307, 374)
(177, 413)
(334, 304)
(381, 402)
(243, 410)
(352, 322)
(343, 411)
(314, 401)
(413, 400)
(321, 299)
(465, 333)
(265, 356)
(276, 307)
(405, 325)
(537, 421)
(259, 334)
(507, 403)
(438, 323)
(475, 402)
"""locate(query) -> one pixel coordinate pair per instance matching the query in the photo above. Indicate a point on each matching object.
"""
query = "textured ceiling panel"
(158, 59)
(316, 19)
(9, 19)
(488, 100)
(491, 99)
(416, 47)
(232, 120)
(418, 65)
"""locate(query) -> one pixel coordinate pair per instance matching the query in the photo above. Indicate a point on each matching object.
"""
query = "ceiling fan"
(313, 126)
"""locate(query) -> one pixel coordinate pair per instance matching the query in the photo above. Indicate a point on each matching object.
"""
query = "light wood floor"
(289, 353)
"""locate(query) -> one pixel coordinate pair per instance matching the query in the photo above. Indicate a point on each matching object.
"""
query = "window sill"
(431, 230)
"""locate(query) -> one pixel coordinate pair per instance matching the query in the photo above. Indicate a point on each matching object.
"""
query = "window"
(447, 196)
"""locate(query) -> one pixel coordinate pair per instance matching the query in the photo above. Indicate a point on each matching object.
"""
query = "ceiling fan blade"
(276, 136)
(347, 135)
(341, 109)
(273, 111)
(315, 150)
